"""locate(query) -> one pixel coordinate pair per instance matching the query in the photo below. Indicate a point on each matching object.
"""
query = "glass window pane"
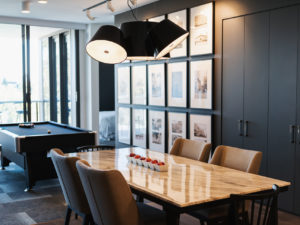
(11, 73)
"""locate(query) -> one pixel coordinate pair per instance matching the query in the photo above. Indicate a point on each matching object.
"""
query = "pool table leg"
(28, 174)
(4, 162)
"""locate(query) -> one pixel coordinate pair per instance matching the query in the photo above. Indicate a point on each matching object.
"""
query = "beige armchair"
(197, 150)
(71, 186)
(111, 200)
(234, 158)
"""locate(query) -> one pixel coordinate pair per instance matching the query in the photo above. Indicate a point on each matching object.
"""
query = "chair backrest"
(91, 148)
(197, 150)
(236, 158)
(263, 210)
(109, 196)
(70, 181)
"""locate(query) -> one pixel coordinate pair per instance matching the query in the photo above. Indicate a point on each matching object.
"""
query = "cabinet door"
(233, 73)
(297, 158)
(282, 98)
(256, 84)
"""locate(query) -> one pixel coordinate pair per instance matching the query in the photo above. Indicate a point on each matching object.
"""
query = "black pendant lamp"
(137, 43)
(166, 36)
(107, 45)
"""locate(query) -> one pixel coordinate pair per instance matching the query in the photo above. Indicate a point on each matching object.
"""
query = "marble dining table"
(187, 185)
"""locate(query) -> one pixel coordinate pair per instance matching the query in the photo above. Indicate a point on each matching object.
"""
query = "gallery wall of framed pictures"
(160, 101)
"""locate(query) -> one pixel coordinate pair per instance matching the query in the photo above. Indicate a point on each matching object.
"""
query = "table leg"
(173, 217)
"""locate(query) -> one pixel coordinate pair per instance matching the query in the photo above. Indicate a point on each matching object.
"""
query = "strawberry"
(131, 155)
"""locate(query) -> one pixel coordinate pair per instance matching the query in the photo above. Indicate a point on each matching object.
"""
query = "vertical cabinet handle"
(240, 127)
(246, 128)
(292, 134)
(298, 133)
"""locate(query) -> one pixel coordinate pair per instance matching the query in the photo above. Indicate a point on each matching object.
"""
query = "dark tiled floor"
(46, 203)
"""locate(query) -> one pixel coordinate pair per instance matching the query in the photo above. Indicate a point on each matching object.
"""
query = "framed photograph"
(177, 127)
(124, 127)
(157, 130)
(179, 18)
(157, 19)
(139, 127)
(177, 84)
(201, 30)
(156, 84)
(200, 128)
(201, 84)
(139, 85)
(123, 77)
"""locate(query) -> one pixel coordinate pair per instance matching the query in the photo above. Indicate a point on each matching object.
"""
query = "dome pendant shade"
(166, 36)
(107, 45)
(137, 42)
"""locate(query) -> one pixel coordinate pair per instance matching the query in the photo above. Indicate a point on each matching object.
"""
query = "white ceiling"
(66, 10)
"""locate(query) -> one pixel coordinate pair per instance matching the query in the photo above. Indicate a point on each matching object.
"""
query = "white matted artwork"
(157, 19)
(157, 131)
(177, 84)
(179, 18)
(201, 29)
(124, 127)
(156, 84)
(138, 86)
(200, 128)
(139, 127)
(177, 127)
(201, 84)
(124, 85)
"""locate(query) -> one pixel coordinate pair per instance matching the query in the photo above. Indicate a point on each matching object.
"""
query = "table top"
(186, 183)
(40, 128)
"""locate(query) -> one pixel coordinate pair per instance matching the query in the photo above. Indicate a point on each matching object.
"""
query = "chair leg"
(86, 220)
(68, 216)
(202, 222)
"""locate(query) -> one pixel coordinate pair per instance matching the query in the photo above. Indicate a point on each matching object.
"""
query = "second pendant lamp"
(138, 40)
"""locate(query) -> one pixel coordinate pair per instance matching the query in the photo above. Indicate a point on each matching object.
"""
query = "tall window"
(11, 74)
(35, 74)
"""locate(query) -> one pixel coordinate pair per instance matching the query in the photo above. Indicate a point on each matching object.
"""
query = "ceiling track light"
(43, 1)
(88, 14)
(109, 5)
(25, 7)
(133, 2)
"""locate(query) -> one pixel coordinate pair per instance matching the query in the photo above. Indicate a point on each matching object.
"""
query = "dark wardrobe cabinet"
(261, 93)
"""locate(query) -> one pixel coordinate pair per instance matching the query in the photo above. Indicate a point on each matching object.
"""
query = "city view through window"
(11, 73)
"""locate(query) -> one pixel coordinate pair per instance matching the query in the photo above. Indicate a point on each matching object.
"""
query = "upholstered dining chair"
(111, 201)
(71, 186)
(197, 150)
(234, 158)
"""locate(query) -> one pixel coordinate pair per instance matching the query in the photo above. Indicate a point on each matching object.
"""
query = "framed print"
(139, 85)
(124, 125)
(177, 127)
(201, 84)
(139, 127)
(157, 130)
(201, 30)
(156, 84)
(157, 19)
(200, 128)
(177, 84)
(123, 77)
(179, 18)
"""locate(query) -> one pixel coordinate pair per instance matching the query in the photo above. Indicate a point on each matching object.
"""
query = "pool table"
(29, 147)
